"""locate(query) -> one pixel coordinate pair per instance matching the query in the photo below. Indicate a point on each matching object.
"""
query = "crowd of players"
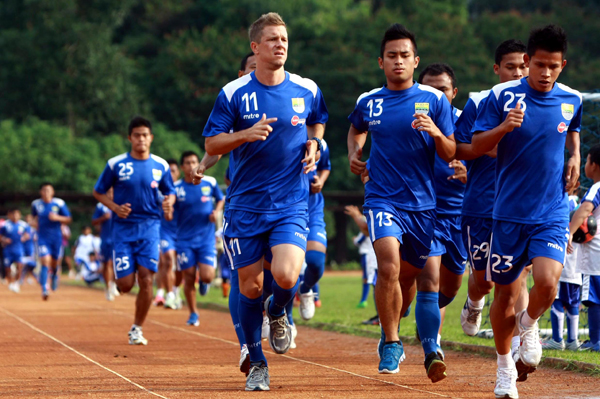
(442, 187)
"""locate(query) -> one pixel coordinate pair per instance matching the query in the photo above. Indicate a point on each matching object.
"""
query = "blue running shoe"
(380, 345)
(194, 320)
(203, 288)
(45, 294)
(54, 285)
(393, 355)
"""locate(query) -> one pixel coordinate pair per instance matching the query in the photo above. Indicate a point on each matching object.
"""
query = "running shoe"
(258, 378)
(194, 320)
(307, 305)
(136, 337)
(506, 383)
(470, 319)
(280, 333)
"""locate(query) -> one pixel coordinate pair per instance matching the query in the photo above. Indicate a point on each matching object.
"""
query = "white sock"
(176, 291)
(505, 361)
(134, 326)
(171, 295)
(573, 320)
(561, 321)
(439, 339)
(527, 321)
(515, 342)
(476, 304)
(160, 292)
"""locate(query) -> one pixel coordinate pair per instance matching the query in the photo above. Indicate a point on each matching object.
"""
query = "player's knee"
(388, 272)
(125, 285)
(286, 281)
(207, 274)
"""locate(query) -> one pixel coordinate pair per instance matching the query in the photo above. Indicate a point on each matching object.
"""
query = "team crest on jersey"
(205, 190)
(54, 209)
(298, 105)
(422, 108)
(156, 174)
(567, 111)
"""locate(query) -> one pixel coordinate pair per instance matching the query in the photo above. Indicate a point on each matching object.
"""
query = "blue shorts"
(590, 290)
(191, 256)
(448, 243)
(167, 243)
(9, 259)
(106, 250)
(476, 234)
(249, 235)
(128, 255)
(52, 248)
(317, 231)
(568, 293)
(29, 260)
(414, 230)
(515, 245)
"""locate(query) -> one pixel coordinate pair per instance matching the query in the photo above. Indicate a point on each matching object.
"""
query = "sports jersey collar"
(534, 92)
(255, 80)
(400, 92)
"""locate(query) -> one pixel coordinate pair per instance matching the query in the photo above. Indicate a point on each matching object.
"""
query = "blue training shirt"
(530, 187)
(14, 231)
(29, 245)
(268, 175)
(106, 226)
(47, 229)
(401, 164)
(316, 202)
(194, 205)
(481, 172)
(136, 182)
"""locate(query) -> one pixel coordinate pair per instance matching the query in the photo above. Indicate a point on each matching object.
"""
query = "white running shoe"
(470, 319)
(178, 302)
(245, 360)
(530, 350)
(550, 343)
(112, 287)
(573, 345)
(307, 305)
(294, 335)
(264, 332)
(109, 296)
(170, 302)
(506, 383)
(136, 337)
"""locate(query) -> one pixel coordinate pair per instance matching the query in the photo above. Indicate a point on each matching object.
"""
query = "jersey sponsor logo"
(297, 121)
(205, 190)
(154, 184)
(298, 105)
(300, 235)
(422, 108)
(555, 246)
(251, 116)
(156, 174)
(561, 127)
(375, 122)
(567, 111)
(205, 199)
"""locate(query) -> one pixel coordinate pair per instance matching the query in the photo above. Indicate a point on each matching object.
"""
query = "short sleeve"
(324, 161)
(217, 193)
(575, 125)
(462, 133)
(318, 112)
(593, 195)
(221, 118)
(64, 210)
(443, 117)
(166, 185)
(105, 181)
(489, 115)
(98, 213)
(34, 211)
(357, 119)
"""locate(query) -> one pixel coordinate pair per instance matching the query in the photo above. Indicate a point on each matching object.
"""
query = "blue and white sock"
(281, 297)
(250, 314)
(315, 266)
(557, 319)
(234, 304)
(427, 314)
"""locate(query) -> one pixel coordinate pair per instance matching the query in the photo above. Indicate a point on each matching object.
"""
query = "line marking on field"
(159, 323)
(14, 316)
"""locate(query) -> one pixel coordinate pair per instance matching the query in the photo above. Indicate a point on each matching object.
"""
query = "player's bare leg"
(449, 284)
(144, 297)
(387, 290)
(189, 290)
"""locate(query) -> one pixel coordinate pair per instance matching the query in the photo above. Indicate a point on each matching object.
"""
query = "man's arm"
(55, 217)
(122, 211)
(486, 141)
(101, 219)
(465, 152)
(316, 186)
(574, 163)
(354, 213)
(311, 157)
(444, 145)
(226, 142)
(356, 142)
(207, 162)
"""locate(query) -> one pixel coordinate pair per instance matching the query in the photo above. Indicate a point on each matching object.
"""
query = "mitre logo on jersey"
(298, 105)
(561, 127)
(422, 108)
(156, 174)
(205, 190)
(567, 111)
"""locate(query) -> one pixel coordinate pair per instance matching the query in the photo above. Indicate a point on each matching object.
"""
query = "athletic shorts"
(590, 290)
(414, 230)
(106, 250)
(250, 235)
(191, 256)
(515, 245)
(476, 233)
(317, 230)
(568, 293)
(167, 243)
(225, 269)
(29, 260)
(52, 248)
(448, 243)
(128, 255)
(9, 259)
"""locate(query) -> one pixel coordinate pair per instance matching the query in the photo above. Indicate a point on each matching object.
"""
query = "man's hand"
(260, 131)
(53, 217)
(570, 248)
(198, 174)
(572, 175)
(167, 206)
(310, 158)
(364, 176)
(356, 165)
(6, 241)
(424, 123)
(460, 171)
(352, 211)
(514, 119)
(317, 185)
(123, 211)
(212, 217)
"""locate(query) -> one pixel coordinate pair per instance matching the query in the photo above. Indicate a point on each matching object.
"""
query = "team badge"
(55, 209)
(561, 127)
(298, 105)
(422, 108)
(567, 111)
(156, 174)
(206, 190)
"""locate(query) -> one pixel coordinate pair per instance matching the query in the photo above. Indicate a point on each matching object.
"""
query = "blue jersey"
(29, 245)
(481, 172)
(449, 193)
(268, 175)
(136, 182)
(530, 187)
(48, 229)
(106, 226)
(194, 205)
(402, 158)
(168, 228)
(14, 231)
(316, 202)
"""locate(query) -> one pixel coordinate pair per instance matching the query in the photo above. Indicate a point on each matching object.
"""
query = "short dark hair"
(508, 47)
(172, 161)
(188, 154)
(438, 69)
(44, 184)
(551, 38)
(245, 61)
(594, 154)
(397, 32)
(138, 121)
(92, 254)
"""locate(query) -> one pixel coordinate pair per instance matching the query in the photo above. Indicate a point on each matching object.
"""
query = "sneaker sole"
(506, 395)
(245, 366)
(523, 370)
(258, 389)
(436, 371)
(196, 324)
(386, 371)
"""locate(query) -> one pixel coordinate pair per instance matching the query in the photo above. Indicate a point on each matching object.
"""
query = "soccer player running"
(534, 115)
(103, 218)
(29, 250)
(409, 123)
(273, 114)
(196, 217)
(50, 213)
(13, 234)
(137, 177)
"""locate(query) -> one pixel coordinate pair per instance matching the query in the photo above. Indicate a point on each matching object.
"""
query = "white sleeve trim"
(231, 87)
(161, 161)
(114, 160)
(304, 82)
(368, 94)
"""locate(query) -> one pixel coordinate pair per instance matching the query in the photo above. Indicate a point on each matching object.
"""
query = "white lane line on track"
(273, 353)
(14, 316)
